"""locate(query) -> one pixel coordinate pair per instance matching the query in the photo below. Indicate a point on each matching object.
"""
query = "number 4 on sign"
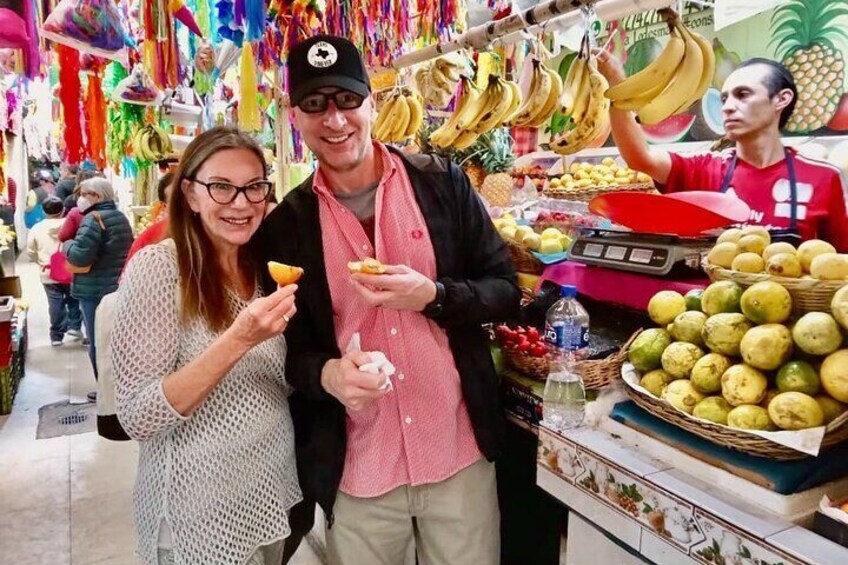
(729, 12)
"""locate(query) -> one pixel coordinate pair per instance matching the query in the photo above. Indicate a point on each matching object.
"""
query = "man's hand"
(609, 66)
(354, 389)
(400, 288)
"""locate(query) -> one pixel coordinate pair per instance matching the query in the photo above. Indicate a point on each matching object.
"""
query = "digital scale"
(647, 254)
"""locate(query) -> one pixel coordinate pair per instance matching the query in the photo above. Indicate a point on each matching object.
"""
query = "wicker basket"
(523, 259)
(588, 193)
(808, 295)
(533, 367)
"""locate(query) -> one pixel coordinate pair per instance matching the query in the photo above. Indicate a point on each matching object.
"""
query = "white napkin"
(379, 362)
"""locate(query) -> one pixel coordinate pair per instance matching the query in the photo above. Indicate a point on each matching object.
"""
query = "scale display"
(637, 253)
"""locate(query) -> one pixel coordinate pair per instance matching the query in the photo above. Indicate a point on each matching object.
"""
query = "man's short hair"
(52, 206)
(164, 182)
(779, 78)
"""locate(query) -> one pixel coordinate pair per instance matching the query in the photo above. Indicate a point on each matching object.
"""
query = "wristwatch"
(434, 309)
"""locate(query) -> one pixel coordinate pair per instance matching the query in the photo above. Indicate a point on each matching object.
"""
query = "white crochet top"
(224, 478)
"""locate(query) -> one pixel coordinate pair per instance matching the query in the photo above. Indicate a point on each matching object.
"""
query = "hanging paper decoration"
(92, 26)
(184, 16)
(204, 66)
(438, 20)
(123, 119)
(161, 56)
(295, 20)
(13, 28)
(137, 88)
(364, 22)
(248, 108)
(69, 95)
(94, 109)
(229, 21)
(254, 17)
(228, 54)
(31, 51)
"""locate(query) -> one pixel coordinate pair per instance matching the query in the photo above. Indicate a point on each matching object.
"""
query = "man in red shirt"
(785, 190)
(409, 462)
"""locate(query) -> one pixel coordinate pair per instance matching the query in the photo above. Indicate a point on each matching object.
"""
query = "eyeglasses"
(317, 102)
(226, 193)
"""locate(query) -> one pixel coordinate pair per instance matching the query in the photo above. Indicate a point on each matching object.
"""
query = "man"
(758, 100)
(389, 465)
(42, 243)
(157, 231)
(67, 181)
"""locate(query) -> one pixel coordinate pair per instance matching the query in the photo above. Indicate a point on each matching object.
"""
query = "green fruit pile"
(731, 356)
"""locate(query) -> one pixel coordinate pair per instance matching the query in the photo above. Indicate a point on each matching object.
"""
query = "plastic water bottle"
(567, 335)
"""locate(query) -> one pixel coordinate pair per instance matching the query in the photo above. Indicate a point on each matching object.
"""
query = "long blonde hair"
(202, 287)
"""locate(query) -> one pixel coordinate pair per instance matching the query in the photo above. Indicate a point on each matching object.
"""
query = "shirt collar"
(319, 183)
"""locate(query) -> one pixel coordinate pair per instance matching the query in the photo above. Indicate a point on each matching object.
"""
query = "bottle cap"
(568, 291)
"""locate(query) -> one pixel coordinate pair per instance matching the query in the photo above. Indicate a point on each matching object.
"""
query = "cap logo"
(322, 55)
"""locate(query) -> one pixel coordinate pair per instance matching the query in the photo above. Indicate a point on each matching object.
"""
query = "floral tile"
(726, 545)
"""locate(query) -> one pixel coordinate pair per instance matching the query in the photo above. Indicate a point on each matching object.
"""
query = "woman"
(73, 216)
(101, 245)
(199, 360)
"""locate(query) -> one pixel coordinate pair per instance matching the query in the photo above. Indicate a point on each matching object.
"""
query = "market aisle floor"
(65, 500)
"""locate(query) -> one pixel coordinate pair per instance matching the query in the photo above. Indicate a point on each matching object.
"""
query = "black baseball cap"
(326, 60)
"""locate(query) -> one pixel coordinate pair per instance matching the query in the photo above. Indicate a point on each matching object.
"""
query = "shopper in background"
(758, 99)
(73, 216)
(42, 244)
(97, 252)
(390, 466)
(67, 180)
(38, 191)
(200, 379)
(159, 230)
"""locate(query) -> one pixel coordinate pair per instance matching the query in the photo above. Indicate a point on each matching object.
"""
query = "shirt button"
(393, 331)
(408, 420)
(401, 376)
(365, 248)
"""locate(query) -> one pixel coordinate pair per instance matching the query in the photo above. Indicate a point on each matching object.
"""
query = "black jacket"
(480, 284)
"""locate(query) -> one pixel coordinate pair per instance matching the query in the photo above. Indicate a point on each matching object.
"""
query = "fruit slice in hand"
(284, 274)
(368, 266)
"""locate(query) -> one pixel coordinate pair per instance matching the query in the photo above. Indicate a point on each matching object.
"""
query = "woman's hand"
(265, 317)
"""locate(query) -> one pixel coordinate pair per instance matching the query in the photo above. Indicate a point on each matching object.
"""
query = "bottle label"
(567, 337)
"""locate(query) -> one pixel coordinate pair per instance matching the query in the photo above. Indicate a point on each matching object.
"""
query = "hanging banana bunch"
(584, 102)
(400, 117)
(542, 97)
(674, 81)
(151, 143)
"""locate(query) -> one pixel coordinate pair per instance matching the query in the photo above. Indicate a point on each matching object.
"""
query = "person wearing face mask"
(795, 197)
(97, 253)
(73, 215)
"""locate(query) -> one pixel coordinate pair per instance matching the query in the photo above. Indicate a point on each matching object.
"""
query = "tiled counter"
(652, 509)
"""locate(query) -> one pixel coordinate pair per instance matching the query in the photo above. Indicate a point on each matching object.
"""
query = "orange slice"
(284, 274)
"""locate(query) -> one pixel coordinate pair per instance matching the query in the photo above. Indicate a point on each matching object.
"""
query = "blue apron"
(790, 234)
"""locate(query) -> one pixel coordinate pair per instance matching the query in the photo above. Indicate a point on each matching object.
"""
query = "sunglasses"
(317, 102)
(226, 193)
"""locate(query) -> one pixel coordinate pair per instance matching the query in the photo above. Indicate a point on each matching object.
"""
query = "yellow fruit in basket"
(610, 179)
(721, 297)
(707, 372)
(581, 175)
(584, 183)
(839, 307)
(834, 375)
(723, 254)
(779, 247)
(817, 333)
(743, 384)
(830, 267)
(551, 233)
(795, 411)
(758, 231)
(532, 241)
(723, 333)
(713, 408)
(508, 232)
(522, 231)
(784, 265)
(643, 178)
(680, 357)
(550, 246)
(687, 327)
(655, 381)
(766, 347)
(555, 182)
(752, 244)
(574, 167)
(748, 263)
(811, 249)
(766, 303)
(566, 178)
(682, 395)
(732, 236)
(608, 161)
(831, 408)
(586, 166)
(665, 306)
(750, 417)
(566, 242)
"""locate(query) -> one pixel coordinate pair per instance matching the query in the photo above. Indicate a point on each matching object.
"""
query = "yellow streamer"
(248, 110)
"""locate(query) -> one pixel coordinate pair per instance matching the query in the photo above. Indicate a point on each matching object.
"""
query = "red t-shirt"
(821, 192)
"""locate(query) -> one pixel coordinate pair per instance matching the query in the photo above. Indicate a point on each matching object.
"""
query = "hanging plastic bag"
(137, 88)
(91, 26)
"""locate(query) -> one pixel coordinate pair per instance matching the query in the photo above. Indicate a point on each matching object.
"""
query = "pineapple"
(807, 35)
(496, 158)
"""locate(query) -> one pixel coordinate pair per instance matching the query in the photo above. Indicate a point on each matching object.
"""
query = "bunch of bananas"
(542, 97)
(7, 235)
(399, 118)
(675, 80)
(151, 143)
(437, 80)
(584, 102)
(478, 112)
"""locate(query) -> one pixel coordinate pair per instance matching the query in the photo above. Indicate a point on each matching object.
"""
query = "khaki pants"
(456, 522)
